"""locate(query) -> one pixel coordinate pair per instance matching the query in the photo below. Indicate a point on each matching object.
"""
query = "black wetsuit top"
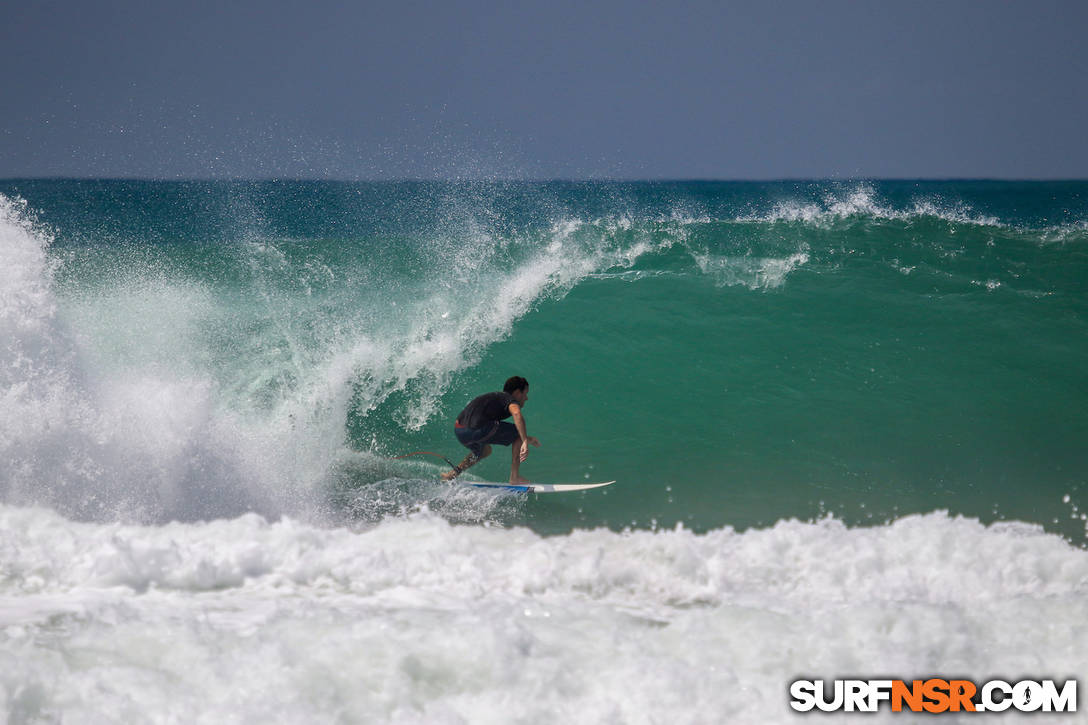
(485, 410)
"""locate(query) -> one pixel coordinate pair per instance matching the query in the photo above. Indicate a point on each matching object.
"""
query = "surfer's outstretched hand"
(525, 447)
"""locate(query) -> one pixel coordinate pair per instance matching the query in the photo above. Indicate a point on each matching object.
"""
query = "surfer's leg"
(470, 460)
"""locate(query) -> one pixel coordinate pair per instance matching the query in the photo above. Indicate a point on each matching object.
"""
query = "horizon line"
(545, 180)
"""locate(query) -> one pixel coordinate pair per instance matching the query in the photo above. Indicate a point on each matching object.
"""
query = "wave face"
(732, 353)
(847, 421)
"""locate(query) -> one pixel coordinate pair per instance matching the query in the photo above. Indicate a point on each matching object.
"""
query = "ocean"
(848, 421)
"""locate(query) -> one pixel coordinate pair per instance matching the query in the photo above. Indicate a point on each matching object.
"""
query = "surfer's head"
(518, 387)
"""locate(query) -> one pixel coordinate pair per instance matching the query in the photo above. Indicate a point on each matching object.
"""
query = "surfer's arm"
(519, 423)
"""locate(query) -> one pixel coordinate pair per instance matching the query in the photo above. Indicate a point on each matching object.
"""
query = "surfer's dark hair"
(515, 383)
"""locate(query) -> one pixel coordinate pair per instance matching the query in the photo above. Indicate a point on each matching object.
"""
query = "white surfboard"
(536, 487)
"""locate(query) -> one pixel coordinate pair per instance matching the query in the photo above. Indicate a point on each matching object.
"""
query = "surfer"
(483, 423)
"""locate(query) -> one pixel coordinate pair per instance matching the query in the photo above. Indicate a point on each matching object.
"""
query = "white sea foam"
(1073, 232)
(861, 201)
(751, 272)
(418, 621)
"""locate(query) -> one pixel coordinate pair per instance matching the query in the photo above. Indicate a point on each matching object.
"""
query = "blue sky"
(459, 89)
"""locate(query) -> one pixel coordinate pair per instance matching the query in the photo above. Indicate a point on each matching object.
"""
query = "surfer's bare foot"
(519, 479)
(450, 475)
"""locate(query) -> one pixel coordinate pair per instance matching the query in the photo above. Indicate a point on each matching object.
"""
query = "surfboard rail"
(536, 487)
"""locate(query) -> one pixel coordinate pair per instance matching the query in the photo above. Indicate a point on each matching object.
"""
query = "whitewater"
(417, 620)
